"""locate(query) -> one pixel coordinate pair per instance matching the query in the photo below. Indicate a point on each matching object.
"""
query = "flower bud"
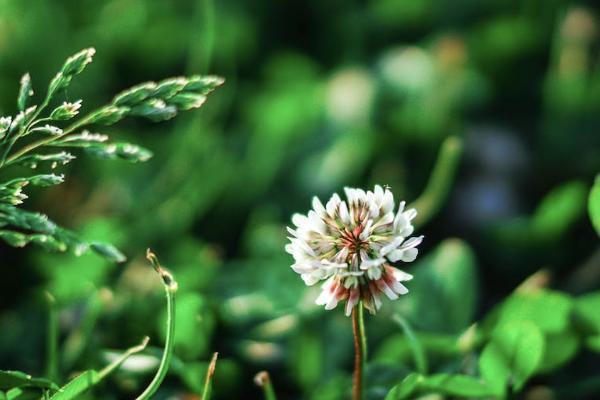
(66, 111)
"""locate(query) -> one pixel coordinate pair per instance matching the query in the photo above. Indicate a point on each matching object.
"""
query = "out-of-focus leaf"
(594, 204)
(513, 354)
(397, 348)
(558, 210)
(194, 323)
(444, 291)
(457, 385)
(12, 379)
(406, 388)
(549, 310)
(588, 317)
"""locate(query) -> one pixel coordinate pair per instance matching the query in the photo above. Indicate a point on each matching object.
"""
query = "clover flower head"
(351, 245)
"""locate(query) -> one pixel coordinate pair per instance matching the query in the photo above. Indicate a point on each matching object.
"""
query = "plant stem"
(263, 380)
(52, 340)
(440, 181)
(170, 289)
(360, 351)
(207, 391)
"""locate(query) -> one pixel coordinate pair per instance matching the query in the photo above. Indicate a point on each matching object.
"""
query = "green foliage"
(490, 130)
(445, 289)
(594, 204)
(512, 356)
(155, 101)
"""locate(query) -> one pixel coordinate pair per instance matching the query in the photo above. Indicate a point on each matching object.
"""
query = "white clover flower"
(351, 245)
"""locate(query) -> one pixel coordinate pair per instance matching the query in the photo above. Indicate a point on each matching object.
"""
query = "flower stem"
(52, 339)
(170, 288)
(263, 380)
(360, 351)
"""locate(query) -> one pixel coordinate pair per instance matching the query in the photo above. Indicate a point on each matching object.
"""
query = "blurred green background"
(319, 95)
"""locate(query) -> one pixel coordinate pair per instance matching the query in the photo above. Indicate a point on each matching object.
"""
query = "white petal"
(409, 255)
(318, 206)
(383, 286)
(300, 220)
(401, 276)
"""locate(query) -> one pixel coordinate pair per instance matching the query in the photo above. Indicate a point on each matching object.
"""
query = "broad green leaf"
(457, 385)
(397, 348)
(549, 310)
(23, 393)
(513, 354)
(194, 323)
(77, 386)
(588, 317)
(406, 388)
(559, 349)
(558, 210)
(594, 204)
(444, 292)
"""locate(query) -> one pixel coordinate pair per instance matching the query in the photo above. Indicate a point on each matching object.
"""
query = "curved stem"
(170, 289)
(360, 351)
(440, 182)
(263, 380)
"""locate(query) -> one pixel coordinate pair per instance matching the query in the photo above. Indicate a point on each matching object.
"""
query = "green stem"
(48, 140)
(207, 391)
(52, 340)
(263, 380)
(440, 181)
(360, 352)
(415, 344)
(170, 289)
(104, 372)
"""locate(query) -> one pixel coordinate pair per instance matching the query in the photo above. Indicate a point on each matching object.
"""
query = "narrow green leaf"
(90, 378)
(12, 379)
(108, 251)
(594, 204)
(207, 391)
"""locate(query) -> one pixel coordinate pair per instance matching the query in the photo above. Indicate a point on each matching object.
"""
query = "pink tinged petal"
(398, 274)
(352, 301)
(375, 295)
(383, 287)
(326, 292)
(396, 286)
